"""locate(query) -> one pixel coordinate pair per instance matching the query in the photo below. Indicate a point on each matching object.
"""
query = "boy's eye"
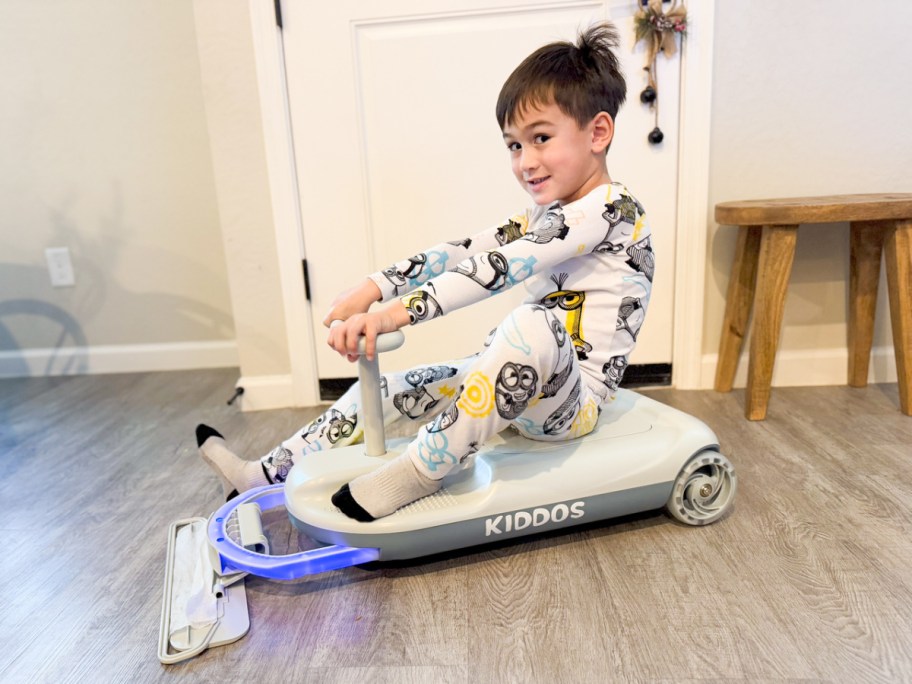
(541, 138)
(514, 146)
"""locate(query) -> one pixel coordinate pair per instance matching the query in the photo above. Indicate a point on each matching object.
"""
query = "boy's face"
(553, 158)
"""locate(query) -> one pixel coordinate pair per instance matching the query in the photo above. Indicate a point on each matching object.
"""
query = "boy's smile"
(554, 159)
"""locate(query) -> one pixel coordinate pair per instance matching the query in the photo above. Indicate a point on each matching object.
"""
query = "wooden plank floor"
(810, 578)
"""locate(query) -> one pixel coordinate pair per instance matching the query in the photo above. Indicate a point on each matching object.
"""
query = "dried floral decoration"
(659, 30)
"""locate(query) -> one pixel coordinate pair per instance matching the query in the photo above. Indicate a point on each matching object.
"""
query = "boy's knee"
(529, 326)
(529, 317)
(535, 317)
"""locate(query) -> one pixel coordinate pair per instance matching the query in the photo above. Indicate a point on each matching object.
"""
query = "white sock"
(235, 474)
(390, 487)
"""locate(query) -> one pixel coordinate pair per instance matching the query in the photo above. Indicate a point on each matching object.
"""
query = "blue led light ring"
(234, 557)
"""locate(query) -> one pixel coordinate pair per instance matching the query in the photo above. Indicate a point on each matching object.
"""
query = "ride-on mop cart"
(641, 456)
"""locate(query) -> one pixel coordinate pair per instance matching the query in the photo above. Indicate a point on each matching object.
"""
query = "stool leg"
(866, 246)
(898, 257)
(738, 305)
(777, 251)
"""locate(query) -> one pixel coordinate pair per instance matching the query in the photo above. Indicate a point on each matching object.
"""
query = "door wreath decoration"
(659, 29)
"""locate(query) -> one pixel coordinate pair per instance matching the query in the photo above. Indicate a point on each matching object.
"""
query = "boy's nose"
(528, 161)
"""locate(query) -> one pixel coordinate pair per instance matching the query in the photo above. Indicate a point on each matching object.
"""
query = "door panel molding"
(692, 209)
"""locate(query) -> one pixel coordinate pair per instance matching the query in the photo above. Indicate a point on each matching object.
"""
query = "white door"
(397, 147)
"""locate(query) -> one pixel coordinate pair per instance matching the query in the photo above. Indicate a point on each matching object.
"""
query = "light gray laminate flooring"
(810, 577)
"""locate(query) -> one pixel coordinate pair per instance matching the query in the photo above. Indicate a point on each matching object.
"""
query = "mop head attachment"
(200, 608)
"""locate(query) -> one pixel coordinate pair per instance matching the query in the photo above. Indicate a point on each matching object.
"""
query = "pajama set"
(587, 268)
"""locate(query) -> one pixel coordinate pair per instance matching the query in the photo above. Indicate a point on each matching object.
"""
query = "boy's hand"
(355, 300)
(344, 335)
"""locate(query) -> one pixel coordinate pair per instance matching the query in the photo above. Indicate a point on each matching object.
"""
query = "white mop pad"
(193, 601)
(200, 608)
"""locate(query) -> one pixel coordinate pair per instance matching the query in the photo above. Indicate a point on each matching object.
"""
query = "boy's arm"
(355, 300)
(409, 274)
(562, 233)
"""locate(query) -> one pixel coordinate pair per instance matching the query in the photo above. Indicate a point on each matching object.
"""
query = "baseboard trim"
(808, 367)
(121, 358)
(262, 392)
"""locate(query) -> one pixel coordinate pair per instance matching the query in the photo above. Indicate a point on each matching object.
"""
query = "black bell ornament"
(656, 136)
(648, 96)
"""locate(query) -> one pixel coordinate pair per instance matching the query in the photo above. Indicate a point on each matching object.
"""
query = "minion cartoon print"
(465, 244)
(613, 242)
(557, 328)
(631, 316)
(488, 269)
(561, 420)
(510, 231)
(621, 216)
(314, 428)
(624, 209)
(279, 462)
(614, 371)
(572, 302)
(642, 258)
(558, 379)
(428, 375)
(445, 419)
(414, 403)
(340, 427)
(552, 227)
(417, 401)
(421, 305)
(395, 276)
(514, 387)
(426, 267)
(334, 424)
(416, 265)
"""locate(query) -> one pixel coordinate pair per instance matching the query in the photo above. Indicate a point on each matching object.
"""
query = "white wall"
(105, 150)
(224, 37)
(809, 98)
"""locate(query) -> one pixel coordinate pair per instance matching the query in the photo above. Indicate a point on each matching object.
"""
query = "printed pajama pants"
(527, 376)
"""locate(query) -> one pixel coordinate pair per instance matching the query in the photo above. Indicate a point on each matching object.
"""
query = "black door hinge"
(306, 280)
(278, 13)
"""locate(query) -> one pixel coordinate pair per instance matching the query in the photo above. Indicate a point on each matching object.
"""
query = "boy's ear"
(602, 131)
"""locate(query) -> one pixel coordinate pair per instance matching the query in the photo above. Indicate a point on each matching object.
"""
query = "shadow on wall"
(64, 347)
(64, 360)
(58, 323)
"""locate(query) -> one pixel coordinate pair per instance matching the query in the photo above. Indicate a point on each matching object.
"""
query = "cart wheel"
(703, 490)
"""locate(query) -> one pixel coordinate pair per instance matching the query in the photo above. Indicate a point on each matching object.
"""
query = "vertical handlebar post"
(374, 431)
(369, 376)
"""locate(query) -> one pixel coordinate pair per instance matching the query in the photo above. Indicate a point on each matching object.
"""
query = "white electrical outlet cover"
(60, 266)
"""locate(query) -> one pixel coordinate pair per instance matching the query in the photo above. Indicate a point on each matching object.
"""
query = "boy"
(583, 254)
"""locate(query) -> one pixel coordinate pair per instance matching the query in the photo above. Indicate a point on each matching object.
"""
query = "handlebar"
(369, 376)
(384, 341)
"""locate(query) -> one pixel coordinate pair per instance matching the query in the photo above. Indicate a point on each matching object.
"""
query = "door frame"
(692, 196)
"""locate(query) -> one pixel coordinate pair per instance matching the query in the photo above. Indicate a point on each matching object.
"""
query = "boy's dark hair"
(582, 79)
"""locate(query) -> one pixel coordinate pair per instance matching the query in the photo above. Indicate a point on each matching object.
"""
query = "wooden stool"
(763, 262)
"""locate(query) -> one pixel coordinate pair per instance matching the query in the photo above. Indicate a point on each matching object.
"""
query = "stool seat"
(880, 224)
(828, 209)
